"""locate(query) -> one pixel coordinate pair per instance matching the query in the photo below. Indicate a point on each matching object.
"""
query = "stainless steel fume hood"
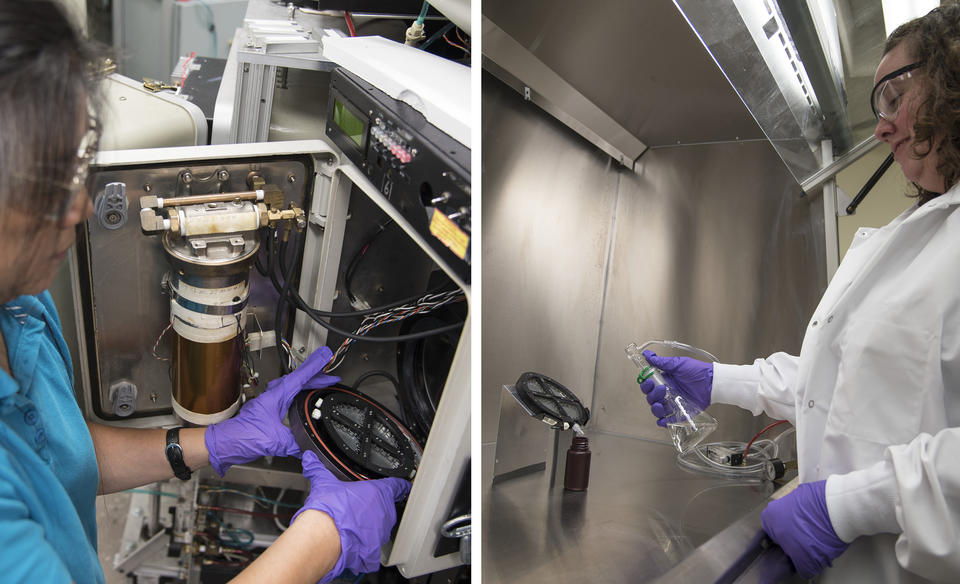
(635, 75)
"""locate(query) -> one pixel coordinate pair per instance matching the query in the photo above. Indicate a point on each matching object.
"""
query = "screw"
(223, 175)
(303, 350)
(147, 187)
(187, 178)
(153, 397)
(291, 178)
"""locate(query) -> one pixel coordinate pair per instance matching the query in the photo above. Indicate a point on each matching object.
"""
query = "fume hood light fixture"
(775, 44)
(897, 12)
(353, 435)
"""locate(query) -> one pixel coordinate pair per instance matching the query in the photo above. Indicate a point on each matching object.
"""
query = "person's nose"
(884, 129)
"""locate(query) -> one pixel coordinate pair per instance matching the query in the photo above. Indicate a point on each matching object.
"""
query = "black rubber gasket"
(355, 437)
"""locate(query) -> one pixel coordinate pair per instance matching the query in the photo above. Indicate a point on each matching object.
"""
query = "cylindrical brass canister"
(206, 378)
(208, 285)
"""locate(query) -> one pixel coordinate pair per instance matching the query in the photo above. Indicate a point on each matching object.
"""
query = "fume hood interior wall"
(710, 244)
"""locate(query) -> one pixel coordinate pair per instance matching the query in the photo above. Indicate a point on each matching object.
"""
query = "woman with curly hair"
(875, 391)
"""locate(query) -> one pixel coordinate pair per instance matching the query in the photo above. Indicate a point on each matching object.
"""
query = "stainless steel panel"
(123, 269)
(521, 440)
(640, 516)
(740, 553)
(713, 246)
(547, 208)
(640, 62)
(517, 67)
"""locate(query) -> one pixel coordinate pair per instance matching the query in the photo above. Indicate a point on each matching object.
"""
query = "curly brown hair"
(934, 42)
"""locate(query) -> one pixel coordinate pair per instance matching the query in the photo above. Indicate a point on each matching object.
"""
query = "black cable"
(394, 339)
(284, 295)
(852, 207)
(259, 265)
(316, 315)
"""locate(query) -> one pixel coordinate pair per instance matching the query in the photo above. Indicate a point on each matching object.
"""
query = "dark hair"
(934, 41)
(46, 78)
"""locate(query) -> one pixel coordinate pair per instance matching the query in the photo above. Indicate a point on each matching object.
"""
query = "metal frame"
(519, 68)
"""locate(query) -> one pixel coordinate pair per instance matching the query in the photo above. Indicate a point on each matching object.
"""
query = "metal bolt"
(153, 397)
(291, 178)
(365, 356)
(303, 350)
(147, 187)
(187, 178)
(222, 175)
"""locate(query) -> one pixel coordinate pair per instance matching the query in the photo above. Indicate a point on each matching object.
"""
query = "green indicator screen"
(345, 120)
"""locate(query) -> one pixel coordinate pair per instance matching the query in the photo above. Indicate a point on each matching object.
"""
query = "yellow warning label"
(450, 234)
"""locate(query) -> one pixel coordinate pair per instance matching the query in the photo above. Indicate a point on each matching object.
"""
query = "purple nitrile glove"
(363, 512)
(800, 524)
(258, 429)
(691, 378)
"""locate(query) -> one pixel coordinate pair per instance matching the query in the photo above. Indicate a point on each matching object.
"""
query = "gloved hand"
(799, 523)
(691, 378)
(258, 429)
(363, 512)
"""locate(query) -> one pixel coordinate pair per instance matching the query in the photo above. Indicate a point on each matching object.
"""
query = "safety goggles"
(888, 92)
(86, 151)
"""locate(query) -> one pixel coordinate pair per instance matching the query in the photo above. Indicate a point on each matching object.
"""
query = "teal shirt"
(48, 468)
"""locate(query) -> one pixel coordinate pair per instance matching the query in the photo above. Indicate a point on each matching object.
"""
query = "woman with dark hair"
(53, 463)
(875, 391)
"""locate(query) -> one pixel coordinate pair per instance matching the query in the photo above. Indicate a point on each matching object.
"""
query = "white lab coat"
(875, 396)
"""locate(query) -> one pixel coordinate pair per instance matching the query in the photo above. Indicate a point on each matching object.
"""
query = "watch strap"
(174, 454)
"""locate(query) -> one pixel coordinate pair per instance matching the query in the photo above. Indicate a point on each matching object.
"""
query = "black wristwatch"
(175, 455)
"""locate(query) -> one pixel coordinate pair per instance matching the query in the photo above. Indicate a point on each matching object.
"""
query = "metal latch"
(459, 528)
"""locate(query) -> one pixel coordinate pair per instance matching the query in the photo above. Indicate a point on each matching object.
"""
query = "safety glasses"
(86, 151)
(888, 92)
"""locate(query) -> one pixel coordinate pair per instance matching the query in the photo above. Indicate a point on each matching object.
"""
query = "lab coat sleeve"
(914, 491)
(27, 556)
(767, 386)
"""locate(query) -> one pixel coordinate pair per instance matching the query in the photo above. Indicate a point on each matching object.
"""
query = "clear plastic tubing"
(689, 425)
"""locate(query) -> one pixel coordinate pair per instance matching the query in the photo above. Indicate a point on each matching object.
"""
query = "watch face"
(353, 435)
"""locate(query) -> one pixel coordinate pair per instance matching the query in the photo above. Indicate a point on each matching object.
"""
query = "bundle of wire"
(704, 457)
(280, 273)
(423, 305)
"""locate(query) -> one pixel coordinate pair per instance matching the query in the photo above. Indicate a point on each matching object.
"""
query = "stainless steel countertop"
(641, 516)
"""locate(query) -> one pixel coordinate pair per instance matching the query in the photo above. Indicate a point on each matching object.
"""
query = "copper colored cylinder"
(206, 375)
(577, 474)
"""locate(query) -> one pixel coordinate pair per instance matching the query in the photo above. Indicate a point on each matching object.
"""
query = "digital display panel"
(347, 121)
